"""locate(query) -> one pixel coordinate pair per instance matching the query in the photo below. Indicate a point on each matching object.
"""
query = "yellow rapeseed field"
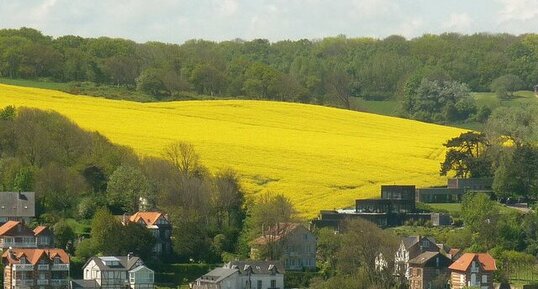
(320, 157)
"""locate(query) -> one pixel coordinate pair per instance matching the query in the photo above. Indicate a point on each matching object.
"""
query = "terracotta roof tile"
(8, 226)
(39, 229)
(464, 262)
(149, 218)
(34, 255)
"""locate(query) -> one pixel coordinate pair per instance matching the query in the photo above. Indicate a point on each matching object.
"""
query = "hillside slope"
(320, 157)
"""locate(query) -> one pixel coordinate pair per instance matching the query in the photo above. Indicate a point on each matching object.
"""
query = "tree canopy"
(331, 71)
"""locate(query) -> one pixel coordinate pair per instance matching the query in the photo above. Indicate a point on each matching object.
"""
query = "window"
(259, 284)
(273, 283)
(484, 279)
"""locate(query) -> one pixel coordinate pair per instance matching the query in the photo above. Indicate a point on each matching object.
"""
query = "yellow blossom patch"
(320, 157)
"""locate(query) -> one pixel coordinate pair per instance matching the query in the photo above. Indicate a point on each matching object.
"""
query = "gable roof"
(454, 253)
(409, 241)
(413, 240)
(423, 258)
(216, 275)
(75, 284)
(278, 232)
(40, 230)
(33, 256)
(463, 263)
(257, 267)
(124, 262)
(8, 226)
(149, 218)
(15, 204)
(15, 228)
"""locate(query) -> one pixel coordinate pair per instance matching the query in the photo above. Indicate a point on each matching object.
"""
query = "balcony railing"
(43, 267)
(23, 267)
(59, 267)
(4, 244)
(42, 281)
(58, 282)
(23, 282)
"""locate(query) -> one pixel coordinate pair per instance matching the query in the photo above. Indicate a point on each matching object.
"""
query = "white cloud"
(458, 22)
(179, 20)
(412, 27)
(519, 10)
(375, 8)
(227, 7)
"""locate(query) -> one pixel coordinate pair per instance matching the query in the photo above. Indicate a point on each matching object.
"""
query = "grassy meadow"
(320, 157)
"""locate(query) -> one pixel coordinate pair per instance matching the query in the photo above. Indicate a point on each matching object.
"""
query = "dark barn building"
(396, 206)
(398, 192)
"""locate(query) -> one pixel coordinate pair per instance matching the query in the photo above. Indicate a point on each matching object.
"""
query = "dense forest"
(326, 71)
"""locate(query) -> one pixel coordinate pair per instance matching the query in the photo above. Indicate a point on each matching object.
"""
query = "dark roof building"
(243, 275)
(17, 206)
(256, 267)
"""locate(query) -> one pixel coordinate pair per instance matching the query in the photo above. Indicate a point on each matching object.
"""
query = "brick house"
(35, 268)
(291, 243)
(429, 270)
(473, 269)
(16, 234)
(160, 228)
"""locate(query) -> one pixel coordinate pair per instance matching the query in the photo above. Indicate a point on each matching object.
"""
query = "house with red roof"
(35, 268)
(15, 234)
(472, 270)
(160, 228)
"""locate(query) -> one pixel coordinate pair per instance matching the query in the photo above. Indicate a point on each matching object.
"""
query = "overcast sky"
(181, 20)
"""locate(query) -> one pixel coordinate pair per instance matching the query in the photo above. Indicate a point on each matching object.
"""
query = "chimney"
(129, 256)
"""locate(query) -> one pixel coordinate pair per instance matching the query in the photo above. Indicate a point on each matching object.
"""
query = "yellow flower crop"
(320, 157)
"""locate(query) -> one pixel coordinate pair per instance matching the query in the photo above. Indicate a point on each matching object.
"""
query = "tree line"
(332, 70)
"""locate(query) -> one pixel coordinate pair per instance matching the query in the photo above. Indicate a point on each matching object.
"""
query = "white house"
(244, 275)
(117, 272)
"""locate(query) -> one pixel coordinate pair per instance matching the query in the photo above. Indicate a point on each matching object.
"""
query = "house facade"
(243, 275)
(472, 270)
(117, 272)
(429, 270)
(160, 228)
(17, 206)
(410, 248)
(290, 243)
(15, 234)
(35, 268)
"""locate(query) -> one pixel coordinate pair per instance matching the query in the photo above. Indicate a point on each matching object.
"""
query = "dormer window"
(22, 260)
